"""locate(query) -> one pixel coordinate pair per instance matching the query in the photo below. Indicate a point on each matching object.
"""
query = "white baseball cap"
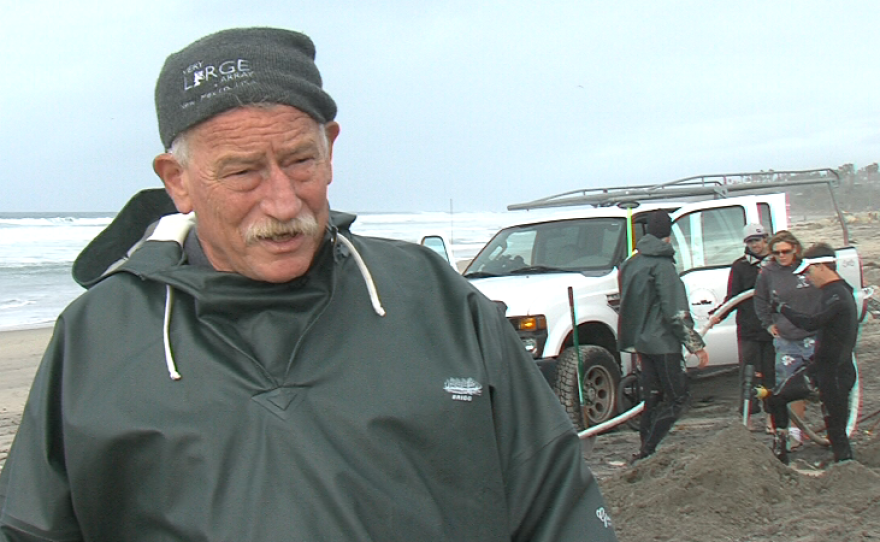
(751, 231)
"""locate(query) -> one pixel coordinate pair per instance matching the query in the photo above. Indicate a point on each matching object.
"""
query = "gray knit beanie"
(237, 67)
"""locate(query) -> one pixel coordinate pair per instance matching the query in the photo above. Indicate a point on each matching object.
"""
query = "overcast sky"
(477, 103)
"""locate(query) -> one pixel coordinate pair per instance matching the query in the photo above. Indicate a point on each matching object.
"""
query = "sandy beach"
(711, 479)
(20, 354)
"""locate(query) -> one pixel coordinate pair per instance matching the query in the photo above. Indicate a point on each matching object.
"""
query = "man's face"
(757, 245)
(784, 253)
(809, 273)
(818, 274)
(253, 176)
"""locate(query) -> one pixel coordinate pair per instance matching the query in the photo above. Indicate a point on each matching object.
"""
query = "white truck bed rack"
(717, 186)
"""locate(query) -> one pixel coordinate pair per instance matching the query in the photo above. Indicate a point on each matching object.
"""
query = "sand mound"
(734, 489)
(869, 453)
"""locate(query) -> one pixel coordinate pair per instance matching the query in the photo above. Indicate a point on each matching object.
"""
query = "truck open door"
(707, 237)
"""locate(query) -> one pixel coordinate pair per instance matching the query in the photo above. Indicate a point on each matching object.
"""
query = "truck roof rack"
(718, 186)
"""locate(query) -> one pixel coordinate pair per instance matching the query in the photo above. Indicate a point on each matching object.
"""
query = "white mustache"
(271, 228)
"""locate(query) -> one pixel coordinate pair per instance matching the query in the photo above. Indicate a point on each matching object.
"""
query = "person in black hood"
(243, 367)
(755, 343)
(831, 369)
(655, 323)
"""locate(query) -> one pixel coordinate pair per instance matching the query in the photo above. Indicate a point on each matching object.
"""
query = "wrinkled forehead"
(250, 125)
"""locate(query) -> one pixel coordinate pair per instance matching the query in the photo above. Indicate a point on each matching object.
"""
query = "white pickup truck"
(531, 265)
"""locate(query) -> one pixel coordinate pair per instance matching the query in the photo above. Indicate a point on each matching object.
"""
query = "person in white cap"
(831, 368)
(755, 343)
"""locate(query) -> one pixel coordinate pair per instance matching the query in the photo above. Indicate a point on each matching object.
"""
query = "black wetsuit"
(831, 369)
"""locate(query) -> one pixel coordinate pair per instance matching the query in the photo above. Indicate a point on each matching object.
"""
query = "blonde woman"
(793, 345)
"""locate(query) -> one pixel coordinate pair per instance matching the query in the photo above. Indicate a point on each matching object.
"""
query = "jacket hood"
(126, 230)
(649, 245)
(146, 239)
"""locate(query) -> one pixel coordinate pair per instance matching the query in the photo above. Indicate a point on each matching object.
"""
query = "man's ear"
(171, 172)
(332, 131)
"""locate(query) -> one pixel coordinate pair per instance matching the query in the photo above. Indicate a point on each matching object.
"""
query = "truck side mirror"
(438, 244)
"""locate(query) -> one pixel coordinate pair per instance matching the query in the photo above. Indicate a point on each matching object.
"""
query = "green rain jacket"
(654, 314)
(301, 413)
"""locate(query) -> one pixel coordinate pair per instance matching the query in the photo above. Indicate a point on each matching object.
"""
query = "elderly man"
(247, 369)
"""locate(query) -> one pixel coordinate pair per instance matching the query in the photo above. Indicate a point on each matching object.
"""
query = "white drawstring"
(174, 228)
(365, 273)
(166, 334)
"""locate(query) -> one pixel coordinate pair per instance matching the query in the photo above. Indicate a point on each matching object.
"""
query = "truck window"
(766, 217)
(579, 245)
(708, 238)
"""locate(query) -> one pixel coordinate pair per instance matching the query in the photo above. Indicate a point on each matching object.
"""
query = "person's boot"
(636, 457)
(780, 445)
(839, 442)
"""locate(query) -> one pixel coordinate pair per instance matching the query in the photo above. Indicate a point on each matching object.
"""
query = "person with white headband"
(831, 369)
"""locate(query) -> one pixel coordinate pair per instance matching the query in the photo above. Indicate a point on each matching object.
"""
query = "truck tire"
(601, 378)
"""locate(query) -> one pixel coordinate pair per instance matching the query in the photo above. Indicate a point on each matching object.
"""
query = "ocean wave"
(10, 304)
(72, 221)
(36, 265)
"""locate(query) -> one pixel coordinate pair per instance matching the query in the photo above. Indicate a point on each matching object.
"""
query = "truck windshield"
(587, 245)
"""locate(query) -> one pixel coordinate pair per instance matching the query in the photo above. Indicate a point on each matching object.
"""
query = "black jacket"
(743, 275)
(654, 316)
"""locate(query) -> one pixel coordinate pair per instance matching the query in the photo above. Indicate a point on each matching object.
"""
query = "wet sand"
(20, 354)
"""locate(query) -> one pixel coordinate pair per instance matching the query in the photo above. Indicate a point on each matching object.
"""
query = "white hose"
(613, 422)
(727, 306)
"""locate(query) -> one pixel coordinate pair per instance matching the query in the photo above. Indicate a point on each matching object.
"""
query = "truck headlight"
(532, 331)
(529, 323)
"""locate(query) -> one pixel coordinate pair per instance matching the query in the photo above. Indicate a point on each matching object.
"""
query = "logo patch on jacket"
(463, 389)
